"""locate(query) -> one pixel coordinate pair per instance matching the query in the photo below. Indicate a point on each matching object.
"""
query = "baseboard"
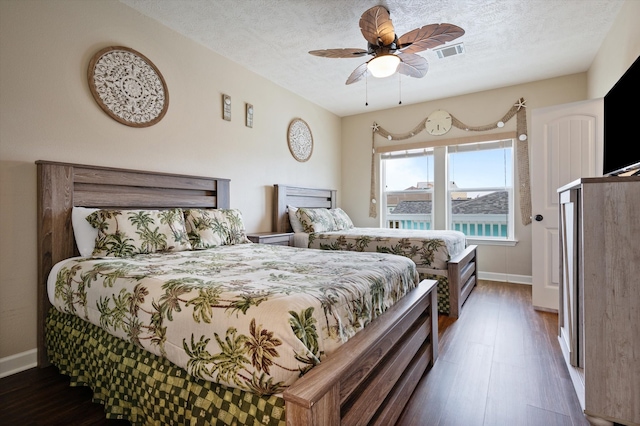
(541, 309)
(508, 278)
(19, 362)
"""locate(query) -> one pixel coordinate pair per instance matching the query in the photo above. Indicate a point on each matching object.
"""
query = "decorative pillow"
(123, 233)
(293, 219)
(342, 219)
(316, 220)
(208, 228)
(84, 233)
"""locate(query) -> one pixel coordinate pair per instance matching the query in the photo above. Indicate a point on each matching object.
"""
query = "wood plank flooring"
(43, 397)
(499, 364)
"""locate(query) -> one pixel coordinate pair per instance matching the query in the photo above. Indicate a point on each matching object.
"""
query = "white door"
(565, 145)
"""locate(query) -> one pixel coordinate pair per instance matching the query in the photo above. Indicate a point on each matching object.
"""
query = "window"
(466, 187)
(480, 192)
(408, 189)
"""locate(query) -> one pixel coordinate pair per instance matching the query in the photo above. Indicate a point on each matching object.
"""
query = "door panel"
(566, 144)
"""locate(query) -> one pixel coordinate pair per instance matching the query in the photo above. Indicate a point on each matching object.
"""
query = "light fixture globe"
(383, 65)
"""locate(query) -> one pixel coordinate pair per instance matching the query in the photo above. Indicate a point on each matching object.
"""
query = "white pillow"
(295, 221)
(84, 233)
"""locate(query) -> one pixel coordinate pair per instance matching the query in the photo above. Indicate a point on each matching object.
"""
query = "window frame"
(510, 227)
(441, 185)
(384, 193)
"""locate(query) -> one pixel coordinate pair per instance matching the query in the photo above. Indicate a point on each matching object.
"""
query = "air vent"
(453, 50)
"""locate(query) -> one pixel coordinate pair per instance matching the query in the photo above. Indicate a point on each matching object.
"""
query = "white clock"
(438, 123)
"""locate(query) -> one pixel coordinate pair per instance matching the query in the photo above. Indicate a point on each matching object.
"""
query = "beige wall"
(47, 112)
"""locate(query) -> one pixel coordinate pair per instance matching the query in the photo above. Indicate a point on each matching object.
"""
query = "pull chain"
(366, 90)
(399, 89)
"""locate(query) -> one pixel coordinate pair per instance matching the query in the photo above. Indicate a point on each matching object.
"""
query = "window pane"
(409, 209)
(408, 171)
(485, 215)
(408, 183)
(480, 188)
(481, 168)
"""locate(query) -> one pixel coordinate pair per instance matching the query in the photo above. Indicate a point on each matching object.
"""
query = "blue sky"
(484, 168)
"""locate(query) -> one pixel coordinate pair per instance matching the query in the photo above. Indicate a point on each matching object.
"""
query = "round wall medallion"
(128, 86)
(300, 139)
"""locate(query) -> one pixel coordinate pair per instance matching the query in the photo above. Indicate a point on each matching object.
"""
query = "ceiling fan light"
(383, 66)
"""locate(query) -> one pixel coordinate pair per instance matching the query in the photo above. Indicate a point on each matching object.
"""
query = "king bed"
(302, 339)
(440, 255)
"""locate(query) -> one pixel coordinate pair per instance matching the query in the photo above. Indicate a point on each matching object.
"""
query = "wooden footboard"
(462, 278)
(380, 368)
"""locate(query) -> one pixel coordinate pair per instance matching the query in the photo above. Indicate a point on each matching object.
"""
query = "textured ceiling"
(506, 42)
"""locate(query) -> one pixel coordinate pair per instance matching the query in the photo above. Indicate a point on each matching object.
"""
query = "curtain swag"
(522, 152)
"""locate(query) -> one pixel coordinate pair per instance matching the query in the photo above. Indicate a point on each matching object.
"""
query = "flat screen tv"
(621, 117)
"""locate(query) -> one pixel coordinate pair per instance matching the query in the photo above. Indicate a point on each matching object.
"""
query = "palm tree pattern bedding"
(249, 316)
(428, 249)
(332, 229)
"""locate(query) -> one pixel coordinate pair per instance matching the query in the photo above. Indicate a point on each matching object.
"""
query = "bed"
(440, 255)
(379, 366)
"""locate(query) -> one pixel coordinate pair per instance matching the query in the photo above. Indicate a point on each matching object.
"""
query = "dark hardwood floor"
(499, 364)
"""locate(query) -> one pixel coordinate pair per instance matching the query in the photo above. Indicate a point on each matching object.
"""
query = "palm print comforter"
(251, 316)
(428, 249)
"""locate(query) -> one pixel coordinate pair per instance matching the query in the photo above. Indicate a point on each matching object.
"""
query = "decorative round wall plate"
(128, 86)
(300, 139)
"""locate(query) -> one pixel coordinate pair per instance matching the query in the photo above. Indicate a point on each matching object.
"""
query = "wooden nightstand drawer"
(274, 238)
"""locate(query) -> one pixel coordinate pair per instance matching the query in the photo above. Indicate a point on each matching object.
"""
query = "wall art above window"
(300, 139)
(128, 86)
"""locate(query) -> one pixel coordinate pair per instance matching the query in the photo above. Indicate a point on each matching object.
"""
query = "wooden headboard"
(61, 186)
(298, 197)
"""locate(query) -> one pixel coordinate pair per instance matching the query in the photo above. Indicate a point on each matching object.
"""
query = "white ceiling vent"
(453, 50)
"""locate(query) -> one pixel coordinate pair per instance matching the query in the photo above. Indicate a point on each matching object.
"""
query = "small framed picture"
(226, 107)
(249, 121)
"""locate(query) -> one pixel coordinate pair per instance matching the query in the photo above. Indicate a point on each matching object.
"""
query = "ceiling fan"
(390, 53)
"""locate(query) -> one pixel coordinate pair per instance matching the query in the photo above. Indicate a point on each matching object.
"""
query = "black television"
(621, 148)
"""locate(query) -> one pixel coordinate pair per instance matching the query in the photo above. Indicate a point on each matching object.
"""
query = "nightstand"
(274, 238)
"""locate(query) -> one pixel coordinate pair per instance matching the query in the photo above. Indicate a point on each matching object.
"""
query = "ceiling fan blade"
(412, 65)
(357, 74)
(339, 53)
(428, 37)
(376, 26)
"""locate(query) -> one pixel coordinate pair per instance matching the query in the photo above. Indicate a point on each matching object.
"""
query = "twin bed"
(229, 332)
(440, 255)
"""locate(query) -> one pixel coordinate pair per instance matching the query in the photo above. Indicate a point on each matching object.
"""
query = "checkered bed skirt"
(443, 291)
(143, 388)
